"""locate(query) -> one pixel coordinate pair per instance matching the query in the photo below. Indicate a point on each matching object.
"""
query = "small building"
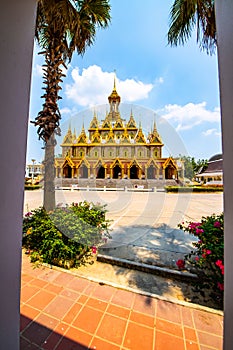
(34, 170)
(214, 172)
(114, 148)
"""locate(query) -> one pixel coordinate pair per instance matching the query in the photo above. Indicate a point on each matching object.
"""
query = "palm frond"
(185, 16)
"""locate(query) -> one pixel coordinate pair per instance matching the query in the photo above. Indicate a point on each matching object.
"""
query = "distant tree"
(193, 167)
(185, 16)
(62, 26)
(200, 166)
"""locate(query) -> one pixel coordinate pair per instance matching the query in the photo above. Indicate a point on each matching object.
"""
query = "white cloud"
(65, 110)
(37, 70)
(190, 115)
(211, 132)
(92, 86)
(159, 80)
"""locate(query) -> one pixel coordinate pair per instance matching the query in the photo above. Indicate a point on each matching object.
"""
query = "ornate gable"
(82, 138)
(96, 137)
(140, 138)
(106, 124)
(110, 137)
(125, 137)
(118, 124)
(170, 161)
(131, 123)
(69, 162)
(94, 123)
(68, 138)
(154, 136)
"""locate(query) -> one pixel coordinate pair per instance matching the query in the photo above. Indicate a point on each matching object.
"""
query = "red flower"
(94, 250)
(197, 258)
(208, 252)
(219, 263)
(180, 263)
(217, 224)
(220, 286)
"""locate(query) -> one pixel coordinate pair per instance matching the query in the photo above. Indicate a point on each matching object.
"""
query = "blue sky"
(177, 87)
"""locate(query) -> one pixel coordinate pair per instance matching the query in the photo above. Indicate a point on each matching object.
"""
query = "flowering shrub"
(66, 236)
(180, 264)
(207, 259)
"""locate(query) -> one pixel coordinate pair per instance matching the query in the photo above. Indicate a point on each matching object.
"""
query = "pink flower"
(208, 252)
(94, 250)
(199, 230)
(180, 263)
(217, 224)
(193, 225)
(220, 286)
(219, 263)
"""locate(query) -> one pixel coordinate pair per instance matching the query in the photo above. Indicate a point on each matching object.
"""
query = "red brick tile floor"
(62, 311)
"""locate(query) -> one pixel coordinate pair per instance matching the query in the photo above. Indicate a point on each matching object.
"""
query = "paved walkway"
(61, 311)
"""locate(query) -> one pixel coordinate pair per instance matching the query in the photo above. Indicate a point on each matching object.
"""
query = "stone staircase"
(115, 183)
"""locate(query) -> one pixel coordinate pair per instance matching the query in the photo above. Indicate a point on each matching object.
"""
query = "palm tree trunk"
(49, 175)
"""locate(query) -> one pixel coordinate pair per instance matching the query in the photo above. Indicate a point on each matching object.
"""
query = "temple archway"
(170, 172)
(100, 173)
(134, 170)
(83, 171)
(116, 172)
(151, 172)
(67, 171)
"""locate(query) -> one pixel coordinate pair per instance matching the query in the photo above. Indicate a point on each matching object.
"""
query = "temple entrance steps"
(115, 183)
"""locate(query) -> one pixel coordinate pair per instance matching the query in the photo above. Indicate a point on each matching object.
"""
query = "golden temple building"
(114, 148)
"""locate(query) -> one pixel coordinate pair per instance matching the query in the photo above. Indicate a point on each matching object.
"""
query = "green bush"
(193, 189)
(66, 236)
(31, 187)
(207, 259)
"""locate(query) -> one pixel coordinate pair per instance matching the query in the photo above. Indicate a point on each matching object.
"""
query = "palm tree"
(62, 26)
(185, 15)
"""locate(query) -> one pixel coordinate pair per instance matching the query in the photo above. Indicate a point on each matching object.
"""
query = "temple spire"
(114, 100)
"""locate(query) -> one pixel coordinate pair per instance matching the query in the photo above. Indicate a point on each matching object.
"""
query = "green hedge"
(31, 187)
(193, 189)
